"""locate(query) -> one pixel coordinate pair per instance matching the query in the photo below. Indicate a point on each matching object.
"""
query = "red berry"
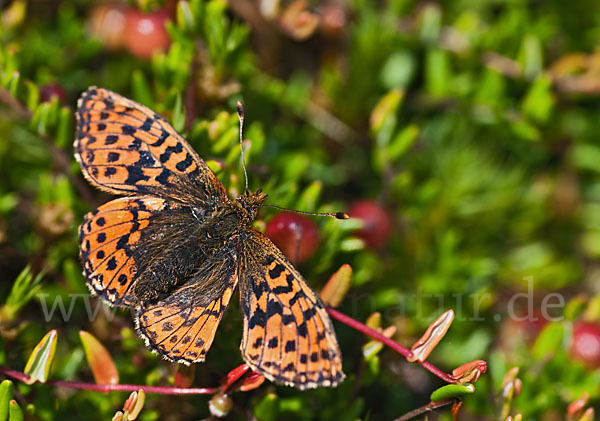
(145, 33)
(377, 222)
(585, 345)
(295, 235)
(53, 90)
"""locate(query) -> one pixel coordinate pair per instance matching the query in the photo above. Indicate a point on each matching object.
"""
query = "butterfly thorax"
(250, 203)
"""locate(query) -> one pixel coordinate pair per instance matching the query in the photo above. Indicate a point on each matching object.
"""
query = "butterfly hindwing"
(181, 326)
(288, 336)
(124, 147)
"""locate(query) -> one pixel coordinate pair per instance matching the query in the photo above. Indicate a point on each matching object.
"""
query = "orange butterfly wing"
(288, 336)
(124, 147)
(181, 326)
(107, 238)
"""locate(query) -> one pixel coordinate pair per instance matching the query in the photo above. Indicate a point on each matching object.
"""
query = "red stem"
(163, 390)
(355, 324)
(168, 390)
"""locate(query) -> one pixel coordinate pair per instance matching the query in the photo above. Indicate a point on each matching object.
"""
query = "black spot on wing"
(186, 163)
(135, 175)
(290, 346)
(127, 129)
(276, 271)
(259, 318)
(111, 139)
(274, 307)
(273, 342)
(147, 124)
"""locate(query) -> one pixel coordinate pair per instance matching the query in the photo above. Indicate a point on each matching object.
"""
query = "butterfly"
(175, 248)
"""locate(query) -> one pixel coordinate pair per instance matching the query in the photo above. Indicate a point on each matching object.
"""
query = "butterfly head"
(251, 202)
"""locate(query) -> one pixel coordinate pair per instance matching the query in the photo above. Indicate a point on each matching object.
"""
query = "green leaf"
(452, 391)
(540, 100)
(15, 413)
(185, 16)
(24, 288)
(178, 119)
(267, 408)
(12, 84)
(141, 90)
(32, 95)
(531, 56)
(437, 72)
(549, 341)
(6, 395)
(310, 197)
(64, 132)
(398, 70)
(40, 360)
(385, 111)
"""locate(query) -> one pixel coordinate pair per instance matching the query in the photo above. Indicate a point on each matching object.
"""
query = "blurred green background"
(471, 125)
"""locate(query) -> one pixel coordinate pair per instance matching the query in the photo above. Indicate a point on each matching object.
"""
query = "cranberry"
(296, 235)
(585, 345)
(53, 90)
(377, 222)
(145, 33)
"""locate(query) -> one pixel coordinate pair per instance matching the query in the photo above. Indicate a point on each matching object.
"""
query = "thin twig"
(355, 324)
(163, 390)
(431, 406)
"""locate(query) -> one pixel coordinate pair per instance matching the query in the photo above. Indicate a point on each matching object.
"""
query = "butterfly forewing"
(108, 238)
(288, 336)
(124, 147)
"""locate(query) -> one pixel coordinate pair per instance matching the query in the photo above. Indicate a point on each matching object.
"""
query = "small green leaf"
(267, 408)
(12, 84)
(6, 395)
(40, 360)
(385, 109)
(310, 197)
(23, 290)
(531, 56)
(437, 72)
(575, 307)
(185, 16)
(398, 70)
(179, 114)
(64, 132)
(15, 413)
(215, 166)
(141, 89)
(548, 341)
(101, 363)
(540, 100)
(401, 142)
(452, 391)
(32, 95)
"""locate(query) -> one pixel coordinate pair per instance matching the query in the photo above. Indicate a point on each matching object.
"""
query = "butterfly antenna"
(240, 113)
(336, 215)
